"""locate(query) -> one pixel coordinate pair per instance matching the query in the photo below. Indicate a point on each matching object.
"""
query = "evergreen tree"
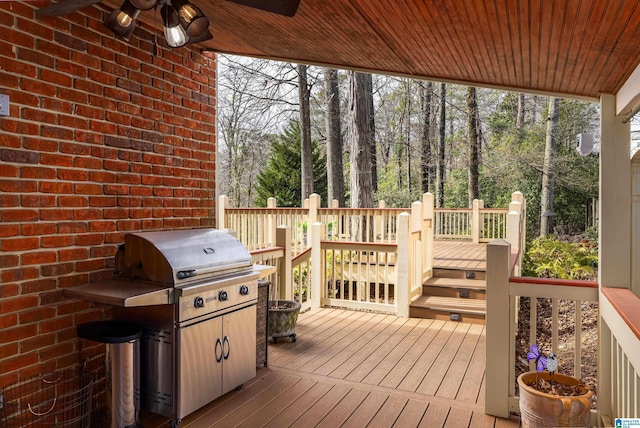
(281, 178)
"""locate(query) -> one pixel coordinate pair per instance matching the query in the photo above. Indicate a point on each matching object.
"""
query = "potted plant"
(550, 399)
(283, 315)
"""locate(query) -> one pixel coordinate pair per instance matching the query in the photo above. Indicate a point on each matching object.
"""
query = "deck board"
(358, 369)
(460, 255)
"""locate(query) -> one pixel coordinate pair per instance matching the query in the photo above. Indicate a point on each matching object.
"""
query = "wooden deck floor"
(459, 255)
(358, 369)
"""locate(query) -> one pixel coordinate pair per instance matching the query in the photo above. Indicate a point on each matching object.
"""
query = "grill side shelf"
(122, 293)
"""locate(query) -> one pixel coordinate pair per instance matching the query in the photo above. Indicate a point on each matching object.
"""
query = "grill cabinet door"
(240, 347)
(199, 374)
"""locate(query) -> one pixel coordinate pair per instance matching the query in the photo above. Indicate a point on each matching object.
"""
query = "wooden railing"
(503, 293)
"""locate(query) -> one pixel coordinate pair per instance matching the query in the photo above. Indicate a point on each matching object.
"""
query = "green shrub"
(550, 258)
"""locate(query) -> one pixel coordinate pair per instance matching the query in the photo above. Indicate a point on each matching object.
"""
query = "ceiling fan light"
(174, 34)
(122, 21)
(192, 18)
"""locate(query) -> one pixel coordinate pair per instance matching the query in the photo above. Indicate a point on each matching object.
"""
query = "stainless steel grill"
(195, 293)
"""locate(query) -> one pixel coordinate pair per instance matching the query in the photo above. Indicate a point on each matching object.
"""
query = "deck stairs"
(452, 294)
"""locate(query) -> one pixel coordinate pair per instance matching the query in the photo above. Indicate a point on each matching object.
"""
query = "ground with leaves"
(566, 333)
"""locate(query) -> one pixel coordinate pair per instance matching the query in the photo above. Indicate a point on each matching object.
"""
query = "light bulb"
(187, 12)
(176, 36)
(124, 19)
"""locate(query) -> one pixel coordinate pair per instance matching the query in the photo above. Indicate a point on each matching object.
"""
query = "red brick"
(70, 281)
(7, 321)
(151, 202)
(19, 244)
(8, 290)
(8, 350)
(56, 324)
(57, 241)
(102, 226)
(72, 95)
(87, 163)
(16, 363)
(56, 215)
(52, 48)
(75, 122)
(37, 314)
(55, 186)
(90, 265)
(128, 225)
(19, 156)
(7, 201)
(38, 258)
(104, 127)
(73, 201)
(117, 94)
(153, 224)
(37, 342)
(55, 78)
(73, 307)
(31, 201)
(56, 351)
(37, 172)
(19, 215)
(73, 175)
(89, 239)
(90, 112)
(18, 304)
(56, 159)
(73, 227)
(57, 105)
(116, 213)
(73, 254)
(102, 201)
(52, 297)
(88, 189)
(112, 189)
(87, 214)
(57, 269)
(38, 229)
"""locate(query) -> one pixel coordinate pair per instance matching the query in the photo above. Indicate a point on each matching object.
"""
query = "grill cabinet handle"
(219, 342)
(226, 340)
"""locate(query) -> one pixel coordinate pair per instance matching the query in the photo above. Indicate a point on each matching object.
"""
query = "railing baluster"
(554, 322)
(577, 356)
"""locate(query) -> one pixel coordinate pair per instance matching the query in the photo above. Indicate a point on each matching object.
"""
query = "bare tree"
(521, 111)
(441, 147)
(360, 141)
(472, 135)
(425, 137)
(335, 170)
(372, 131)
(549, 168)
(305, 132)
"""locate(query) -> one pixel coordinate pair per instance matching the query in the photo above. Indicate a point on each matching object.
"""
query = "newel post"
(497, 324)
(317, 267)
(379, 223)
(402, 265)
(475, 220)
(314, 204)
(428, 205)
(283, 239)
(271, 222)
(514, 233)
(223, 202)
(415, 252)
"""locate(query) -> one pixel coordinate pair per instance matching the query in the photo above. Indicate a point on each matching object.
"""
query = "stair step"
(451, 304)
(466, 284)
(459, 273)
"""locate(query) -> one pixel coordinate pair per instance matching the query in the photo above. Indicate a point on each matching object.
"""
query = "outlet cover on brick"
(4, 105)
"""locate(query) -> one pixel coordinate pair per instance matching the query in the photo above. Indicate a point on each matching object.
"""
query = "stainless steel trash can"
(122, 367)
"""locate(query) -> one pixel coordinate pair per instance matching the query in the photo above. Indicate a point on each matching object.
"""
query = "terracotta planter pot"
(283, 316)
(538, 409)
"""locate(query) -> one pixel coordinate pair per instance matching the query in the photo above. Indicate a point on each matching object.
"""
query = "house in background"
(105, 136)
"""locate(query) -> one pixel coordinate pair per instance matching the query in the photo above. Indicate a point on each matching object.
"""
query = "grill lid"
(180, 257)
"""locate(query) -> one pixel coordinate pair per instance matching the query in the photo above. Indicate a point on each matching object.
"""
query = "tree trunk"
(441, 147)
(372, 130)
(360, 142)
(521, 111)
(335, 171)
(426, 161)
(305, 133)
(549, 169)
(472, 115)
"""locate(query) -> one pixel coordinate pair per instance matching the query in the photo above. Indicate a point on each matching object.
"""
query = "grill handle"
(190, 273)
(226, 340)
(219, 342)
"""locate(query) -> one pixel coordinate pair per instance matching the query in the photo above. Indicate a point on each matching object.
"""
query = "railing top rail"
(305, 255)
(263, 209)
(266, 250)
(625, 302)
(494, 210)
(554, 281)
(380, 210)
(385, 246)
(453, 209)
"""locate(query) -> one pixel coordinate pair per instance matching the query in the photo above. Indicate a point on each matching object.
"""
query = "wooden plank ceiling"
(575, 48)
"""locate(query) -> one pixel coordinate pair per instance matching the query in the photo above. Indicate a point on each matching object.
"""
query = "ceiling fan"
(183, 21)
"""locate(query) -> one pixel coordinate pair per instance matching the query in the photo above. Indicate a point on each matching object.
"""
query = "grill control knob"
(222, 296)
(198, 302)
(244, 290)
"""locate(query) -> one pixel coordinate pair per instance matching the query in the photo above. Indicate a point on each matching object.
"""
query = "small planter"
(539, 409)
(283, 315)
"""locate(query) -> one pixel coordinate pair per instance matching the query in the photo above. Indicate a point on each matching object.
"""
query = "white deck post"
(223, 202)
(402, 266)
(415, 251)
(335, 204)
(513, 234)
(283, 239)
(475, 221)
(314, 204)
(378, 223)
(317, 267)
(271, 222)
(497, 325)
(428, 206)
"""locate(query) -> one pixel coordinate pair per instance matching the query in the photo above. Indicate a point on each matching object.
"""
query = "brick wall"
(103, 137)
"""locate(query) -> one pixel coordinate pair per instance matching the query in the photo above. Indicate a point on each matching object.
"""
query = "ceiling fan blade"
(65, 7)
(281, 7)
